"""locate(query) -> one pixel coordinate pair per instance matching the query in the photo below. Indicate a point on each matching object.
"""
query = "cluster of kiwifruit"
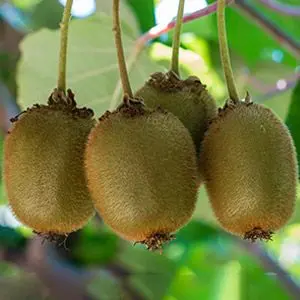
(141, 165)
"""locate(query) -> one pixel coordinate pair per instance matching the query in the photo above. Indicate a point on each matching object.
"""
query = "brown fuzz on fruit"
(141, 170)
(187, 99)
(44, 166)
(250, 170)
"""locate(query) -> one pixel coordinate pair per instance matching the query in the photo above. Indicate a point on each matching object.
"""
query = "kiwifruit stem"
(62, 64)
(120, 51)
(224, 52)
(176, 38)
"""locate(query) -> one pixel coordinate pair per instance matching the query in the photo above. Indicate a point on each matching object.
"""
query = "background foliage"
(204, 262)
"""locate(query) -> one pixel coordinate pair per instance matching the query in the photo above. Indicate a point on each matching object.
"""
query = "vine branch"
(60, 277)
(158, 30)
(62, 64)
(155, 32)
(283, 38)
(284, 9)
(274, 91)
(176, 38)
(271, 265)
(120, 51)
(286, 41)
(280, 36)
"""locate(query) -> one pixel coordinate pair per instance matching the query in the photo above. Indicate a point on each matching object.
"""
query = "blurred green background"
(203, 262)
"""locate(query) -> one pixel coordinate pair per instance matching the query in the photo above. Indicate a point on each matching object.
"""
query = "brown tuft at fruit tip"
(156, 241)
(57, 239)
(258, 233)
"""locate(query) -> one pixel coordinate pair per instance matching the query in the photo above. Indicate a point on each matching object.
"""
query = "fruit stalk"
(176, 39)
(224, 52)
(272, 266)
(64, 28)
(120, 51)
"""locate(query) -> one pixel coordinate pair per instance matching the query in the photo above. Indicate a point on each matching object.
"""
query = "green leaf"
(203, 27)
(293, 118)
(140, 260)
(42, 18)
(196, 232)
(105, 287)
(228, 281)
(152, 273)
(10, 238)
(266, 81)
(289, 24)
(25, 4)
(187, 285)
(251, 42)
(94, 246)
(256, 283)
(92, 69)
(144, 13)
(126, 15)
(200, 273)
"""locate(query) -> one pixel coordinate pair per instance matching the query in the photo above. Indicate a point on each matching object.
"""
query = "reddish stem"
(284, 9)
(158, 30)
(280, 36)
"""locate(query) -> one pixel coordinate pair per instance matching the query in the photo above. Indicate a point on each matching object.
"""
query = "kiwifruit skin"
(187, 99)
(249, 165)
(44, 170)
(141, 172)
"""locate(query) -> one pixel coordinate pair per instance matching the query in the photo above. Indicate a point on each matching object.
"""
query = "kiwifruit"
(44, 168)
(141, 170)
(187, 99)
(249, 166)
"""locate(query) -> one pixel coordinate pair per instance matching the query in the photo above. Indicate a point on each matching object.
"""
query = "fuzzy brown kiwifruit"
(141, 170)
(249, 165)
(187, 99)
(44, 166)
